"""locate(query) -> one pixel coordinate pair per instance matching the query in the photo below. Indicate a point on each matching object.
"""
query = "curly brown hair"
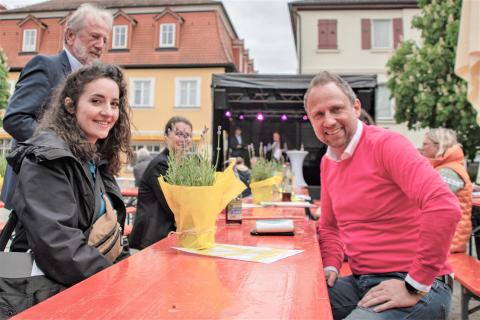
(61, 118)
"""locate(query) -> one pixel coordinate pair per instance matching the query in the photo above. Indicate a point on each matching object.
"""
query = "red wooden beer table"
(130, 192)
(273, 213)
(476, 201)
(162, 283)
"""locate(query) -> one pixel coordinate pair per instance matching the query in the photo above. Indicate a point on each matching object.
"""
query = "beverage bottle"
(233, 212)
(287, 183)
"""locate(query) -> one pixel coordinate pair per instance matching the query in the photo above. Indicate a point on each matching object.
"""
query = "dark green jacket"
(154, 218)
(54, 200)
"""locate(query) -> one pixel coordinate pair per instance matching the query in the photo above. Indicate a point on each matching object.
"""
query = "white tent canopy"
(467, 62)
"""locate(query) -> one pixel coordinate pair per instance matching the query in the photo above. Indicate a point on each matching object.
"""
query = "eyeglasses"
(182, 134)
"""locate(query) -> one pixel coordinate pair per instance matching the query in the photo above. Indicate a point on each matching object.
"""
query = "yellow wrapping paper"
(196, 208)
(263, 190)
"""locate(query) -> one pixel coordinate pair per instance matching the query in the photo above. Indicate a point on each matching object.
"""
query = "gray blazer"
(34, 88)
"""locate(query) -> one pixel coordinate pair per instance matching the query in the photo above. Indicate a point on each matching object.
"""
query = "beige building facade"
(355, 37)
(169, 51)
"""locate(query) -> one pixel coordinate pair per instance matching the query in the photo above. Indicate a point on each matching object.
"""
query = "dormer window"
(29, 40)
(167, 35)
(168, 26)
(31, 30)
(119, 37)
(122, 32)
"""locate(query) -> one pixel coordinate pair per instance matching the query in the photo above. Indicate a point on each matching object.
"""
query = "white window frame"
(153, 147)
(164, 34)
(390, 34)
(115, 33)
(5, 146)
(31, 45)
(390, 101)
(178, 93)
(11, 87)
(143, 103)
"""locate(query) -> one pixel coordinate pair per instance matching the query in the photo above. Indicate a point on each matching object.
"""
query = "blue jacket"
(33, 90)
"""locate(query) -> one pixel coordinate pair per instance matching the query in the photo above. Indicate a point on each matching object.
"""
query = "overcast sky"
(263, 24)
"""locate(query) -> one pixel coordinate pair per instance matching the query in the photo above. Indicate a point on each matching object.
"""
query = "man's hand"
(387, 295)
(331, 277)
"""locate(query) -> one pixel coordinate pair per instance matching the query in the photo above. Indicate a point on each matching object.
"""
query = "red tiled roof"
(205, 38)
(201, 42)
(61, 5)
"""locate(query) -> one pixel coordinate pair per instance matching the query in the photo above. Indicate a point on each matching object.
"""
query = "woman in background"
(154, 219)
(441, 148)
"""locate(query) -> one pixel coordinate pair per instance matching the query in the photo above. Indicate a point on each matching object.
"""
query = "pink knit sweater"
(388, 208)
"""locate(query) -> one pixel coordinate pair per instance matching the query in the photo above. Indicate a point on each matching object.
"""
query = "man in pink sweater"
(386, 208)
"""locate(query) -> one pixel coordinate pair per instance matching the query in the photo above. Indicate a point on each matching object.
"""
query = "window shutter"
(366, 34)
(322, 34)
(332, 34)
(397, 31)
(327, 34)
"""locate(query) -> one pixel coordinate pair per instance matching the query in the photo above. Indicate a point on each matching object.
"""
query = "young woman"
(65, 176)
(154, 219)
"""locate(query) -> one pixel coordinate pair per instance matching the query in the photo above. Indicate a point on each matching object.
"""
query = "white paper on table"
(274, 225)
(250, 205)
(244, 253)
(287, 204)
(303, 197)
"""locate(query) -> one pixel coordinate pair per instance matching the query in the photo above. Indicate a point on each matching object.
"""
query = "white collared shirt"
(352, 145)
(74, 63)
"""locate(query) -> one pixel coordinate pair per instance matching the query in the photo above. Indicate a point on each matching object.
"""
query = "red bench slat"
(467, 271)
(345, 269)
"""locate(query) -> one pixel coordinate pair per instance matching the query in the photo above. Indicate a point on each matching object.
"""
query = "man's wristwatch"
(412, 290)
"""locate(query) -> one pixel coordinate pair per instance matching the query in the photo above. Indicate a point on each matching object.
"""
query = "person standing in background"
(237, 144)
(86, 36)
(143, 159)
(441, 148)
(274, 149)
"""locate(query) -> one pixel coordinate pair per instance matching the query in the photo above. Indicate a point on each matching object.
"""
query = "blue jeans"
(348, 291)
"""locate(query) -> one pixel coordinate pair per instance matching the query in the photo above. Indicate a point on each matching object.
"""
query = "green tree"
(4, 92)
(422, 80)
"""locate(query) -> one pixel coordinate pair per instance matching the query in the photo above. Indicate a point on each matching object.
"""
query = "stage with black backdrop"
(242, 100)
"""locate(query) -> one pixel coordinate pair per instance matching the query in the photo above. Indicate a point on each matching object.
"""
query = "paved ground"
(455, 314)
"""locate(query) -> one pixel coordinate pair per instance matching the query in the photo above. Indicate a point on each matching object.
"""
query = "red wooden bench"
(467, 273)
(127, 229)
(345, 269)
(131, 211)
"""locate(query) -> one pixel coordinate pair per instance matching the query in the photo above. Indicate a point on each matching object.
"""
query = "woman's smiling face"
(98, 108)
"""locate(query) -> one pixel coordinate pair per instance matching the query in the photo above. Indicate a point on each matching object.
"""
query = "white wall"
(350, 58)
